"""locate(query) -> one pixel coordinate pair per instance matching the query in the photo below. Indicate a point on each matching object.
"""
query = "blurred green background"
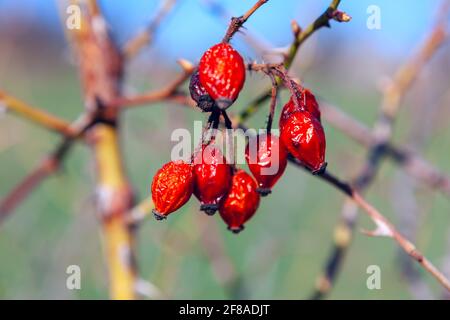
(283, 247)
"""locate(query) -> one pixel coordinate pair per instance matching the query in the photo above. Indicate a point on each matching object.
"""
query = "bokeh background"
(283, 247)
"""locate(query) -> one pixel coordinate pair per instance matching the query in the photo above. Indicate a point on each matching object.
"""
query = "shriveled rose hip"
(199, 94)
(241, 202)
(222, 73)
(212, 178)
(172, 187)
(304, 138)
(266, 157)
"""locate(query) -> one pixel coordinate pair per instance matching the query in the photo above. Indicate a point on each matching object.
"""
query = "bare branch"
(218, 9)
(237, 23)
(45, 168)
(384, 228)
(322, 21)
(407, 210)
(36, 115)
(170, 92)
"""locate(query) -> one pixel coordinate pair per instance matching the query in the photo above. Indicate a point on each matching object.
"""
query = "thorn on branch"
(237, 22)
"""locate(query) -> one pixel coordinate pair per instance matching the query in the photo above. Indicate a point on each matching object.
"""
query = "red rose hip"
(212, 178)
(304, 138)
(241, 202)
(172, 187)
(222, 73)
(266, 157)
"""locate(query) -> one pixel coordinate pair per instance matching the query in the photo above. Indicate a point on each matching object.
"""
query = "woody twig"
(46, 167)
(171, 92)
(382, 133)
(36, 115)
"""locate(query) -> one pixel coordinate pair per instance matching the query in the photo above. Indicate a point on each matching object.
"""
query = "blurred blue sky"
(191, 28)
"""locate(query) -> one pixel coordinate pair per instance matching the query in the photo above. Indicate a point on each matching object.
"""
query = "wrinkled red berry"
(172, 187)
(222, 73)
(268, 162)
(241, 202)
(306, 101)
(199, 94)
(212, 178)
(304, 138)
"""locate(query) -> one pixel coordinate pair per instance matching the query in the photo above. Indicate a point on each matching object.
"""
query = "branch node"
(340, 16)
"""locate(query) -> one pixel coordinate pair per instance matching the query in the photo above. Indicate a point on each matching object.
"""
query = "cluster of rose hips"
(219, 185)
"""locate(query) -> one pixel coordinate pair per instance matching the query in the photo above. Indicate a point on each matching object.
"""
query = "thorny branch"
(237, 23)
(384, 228)
(409, 216)
(381, 135)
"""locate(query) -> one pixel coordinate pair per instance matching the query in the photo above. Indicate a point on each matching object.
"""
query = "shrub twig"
(44, 169)
(36, 115)
(170, 92)
(381, 134)
(237, 22)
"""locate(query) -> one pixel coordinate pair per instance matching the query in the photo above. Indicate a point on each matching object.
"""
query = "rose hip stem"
(236, 23)
(273, 102)
(230, 146)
